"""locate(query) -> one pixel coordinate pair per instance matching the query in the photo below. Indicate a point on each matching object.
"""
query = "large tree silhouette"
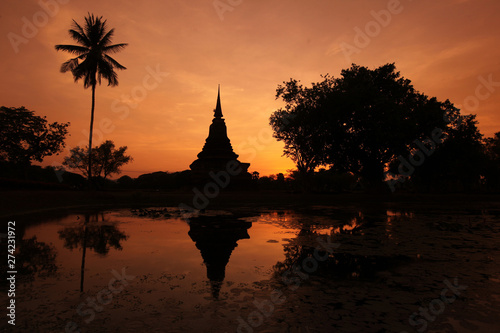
(92, 61)
(458, 163)
(26, 137)
(356, 123)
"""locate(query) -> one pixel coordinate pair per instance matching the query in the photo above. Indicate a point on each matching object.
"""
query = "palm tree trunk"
(90, 136)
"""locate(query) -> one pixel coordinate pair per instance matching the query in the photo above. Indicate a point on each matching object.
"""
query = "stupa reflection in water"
(216, 237)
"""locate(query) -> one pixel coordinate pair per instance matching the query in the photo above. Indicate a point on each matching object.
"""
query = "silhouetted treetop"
(92, 61)
(106, 159)
(358, 122)
(26, 137)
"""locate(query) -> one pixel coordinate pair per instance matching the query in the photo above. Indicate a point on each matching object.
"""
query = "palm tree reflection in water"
(99, 236)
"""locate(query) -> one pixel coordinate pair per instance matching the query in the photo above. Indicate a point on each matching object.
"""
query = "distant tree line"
(159, 180)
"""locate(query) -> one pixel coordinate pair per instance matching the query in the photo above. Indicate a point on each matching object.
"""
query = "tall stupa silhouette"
(218, 152)
(216, 237)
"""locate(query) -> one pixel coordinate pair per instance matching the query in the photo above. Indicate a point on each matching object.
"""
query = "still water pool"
(320, 269)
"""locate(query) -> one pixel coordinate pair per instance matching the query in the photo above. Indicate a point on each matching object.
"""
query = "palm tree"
(92, 61)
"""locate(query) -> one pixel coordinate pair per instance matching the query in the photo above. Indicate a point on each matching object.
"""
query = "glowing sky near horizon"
(448, 48)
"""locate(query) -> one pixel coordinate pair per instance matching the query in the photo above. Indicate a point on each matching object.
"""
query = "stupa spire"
(218, 152)
(218, 109)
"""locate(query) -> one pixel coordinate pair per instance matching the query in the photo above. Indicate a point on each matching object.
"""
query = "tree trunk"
(90, 137)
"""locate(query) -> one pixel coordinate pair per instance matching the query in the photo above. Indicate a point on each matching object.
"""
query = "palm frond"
(106, 39)
(74, 49)
(114, 48)
(78, 28)
(95, 28)
(69, 65)
(77, 72)
(90, 78)
(114, 63)
(107, 72)
(92, 64)
(86, 71)
(79, 37)
(112, 79)
(90, 27)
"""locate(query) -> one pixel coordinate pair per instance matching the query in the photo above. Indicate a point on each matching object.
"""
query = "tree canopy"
(26, 137)
(359, 122)
(106, 159)
(93, 60)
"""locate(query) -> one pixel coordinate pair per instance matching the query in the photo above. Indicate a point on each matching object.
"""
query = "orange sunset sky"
(448, 48)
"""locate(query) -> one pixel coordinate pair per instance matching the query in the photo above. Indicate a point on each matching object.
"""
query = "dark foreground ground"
(13, 203)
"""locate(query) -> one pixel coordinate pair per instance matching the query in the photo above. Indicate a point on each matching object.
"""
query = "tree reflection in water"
(36, 258)
(33, 258)
(99, 236)
(346, 261)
